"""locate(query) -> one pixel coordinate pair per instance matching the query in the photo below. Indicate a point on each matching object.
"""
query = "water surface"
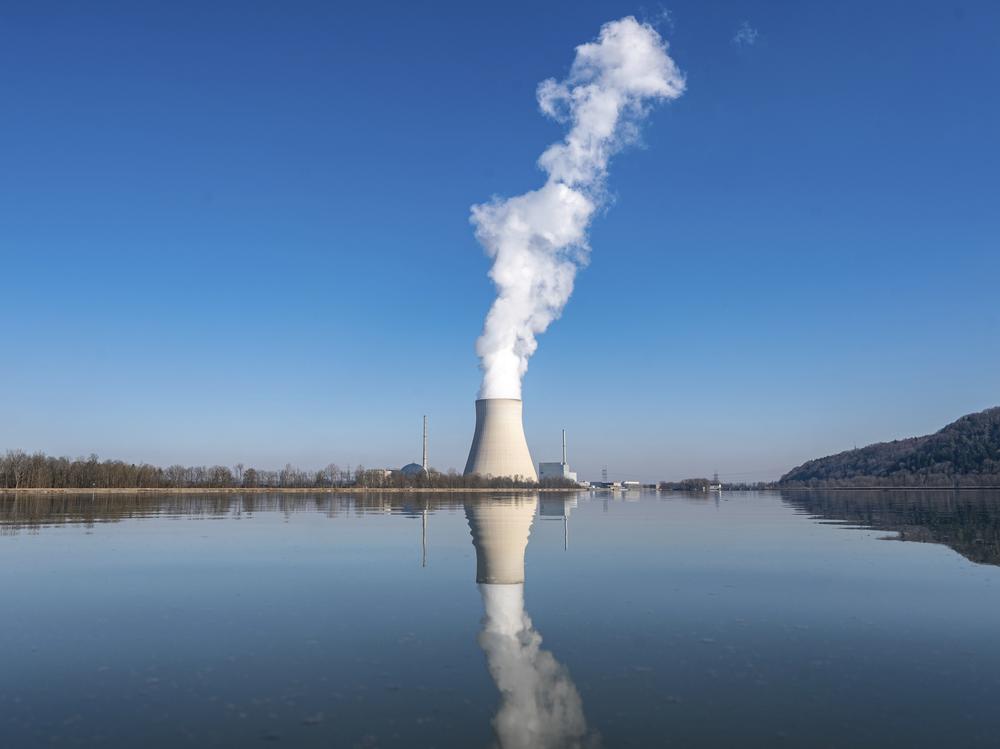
(755, 619)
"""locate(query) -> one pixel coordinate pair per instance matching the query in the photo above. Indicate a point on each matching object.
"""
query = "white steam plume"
(539, 705)
(539, 239)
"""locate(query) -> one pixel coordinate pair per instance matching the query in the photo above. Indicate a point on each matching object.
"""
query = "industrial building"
(557, 470)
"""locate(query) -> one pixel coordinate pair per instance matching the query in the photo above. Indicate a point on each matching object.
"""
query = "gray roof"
(411, 469)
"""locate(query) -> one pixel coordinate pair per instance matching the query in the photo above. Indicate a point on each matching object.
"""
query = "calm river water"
(746, 619)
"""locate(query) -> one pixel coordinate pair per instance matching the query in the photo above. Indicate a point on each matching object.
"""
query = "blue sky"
(239, 232)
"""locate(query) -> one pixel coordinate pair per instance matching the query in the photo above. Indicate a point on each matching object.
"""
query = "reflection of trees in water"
(37, 511)
(540, 707)
(967, 521)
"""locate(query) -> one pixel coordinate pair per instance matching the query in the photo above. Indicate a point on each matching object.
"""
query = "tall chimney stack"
(564, 447)
(424, 464)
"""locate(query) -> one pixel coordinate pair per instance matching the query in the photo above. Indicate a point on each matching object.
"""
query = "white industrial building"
(557, 470)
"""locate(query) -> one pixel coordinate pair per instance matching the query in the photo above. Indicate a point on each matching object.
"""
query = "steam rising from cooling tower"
(539, 239)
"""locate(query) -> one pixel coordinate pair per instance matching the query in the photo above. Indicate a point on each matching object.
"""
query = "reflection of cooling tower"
(500, 529)
(540, 707)
(498, 446)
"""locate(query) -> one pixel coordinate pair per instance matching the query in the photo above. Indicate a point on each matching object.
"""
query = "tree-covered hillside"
(966, 453)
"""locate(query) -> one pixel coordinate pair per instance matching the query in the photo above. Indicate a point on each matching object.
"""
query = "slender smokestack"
(424, 464)
(564, 447)
(498, 445)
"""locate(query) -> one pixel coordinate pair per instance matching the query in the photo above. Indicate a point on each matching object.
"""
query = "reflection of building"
(557, 470)
(540, 707)
(558, 507)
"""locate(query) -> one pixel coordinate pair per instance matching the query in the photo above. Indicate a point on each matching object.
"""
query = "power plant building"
(557, 470)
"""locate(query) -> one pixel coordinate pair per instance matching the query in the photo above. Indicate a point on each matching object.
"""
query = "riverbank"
(883, 488)
(292, 490)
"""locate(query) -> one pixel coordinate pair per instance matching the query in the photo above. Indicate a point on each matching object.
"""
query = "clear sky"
(240, 232)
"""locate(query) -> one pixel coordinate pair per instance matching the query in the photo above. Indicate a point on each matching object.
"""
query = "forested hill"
(966, 453)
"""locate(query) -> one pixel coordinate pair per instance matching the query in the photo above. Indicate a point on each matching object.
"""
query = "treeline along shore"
(527, 489)
(37, 472)
(963, 455)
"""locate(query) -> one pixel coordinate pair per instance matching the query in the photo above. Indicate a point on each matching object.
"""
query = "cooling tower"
(498, 446)
(500, 529)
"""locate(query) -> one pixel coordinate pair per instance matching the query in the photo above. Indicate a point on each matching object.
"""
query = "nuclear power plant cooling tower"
(498, 446)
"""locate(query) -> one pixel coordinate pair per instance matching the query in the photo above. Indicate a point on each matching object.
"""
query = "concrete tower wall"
(498, 446)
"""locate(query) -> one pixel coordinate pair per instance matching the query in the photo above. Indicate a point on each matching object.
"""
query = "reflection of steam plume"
(540, 707)
(538, 239)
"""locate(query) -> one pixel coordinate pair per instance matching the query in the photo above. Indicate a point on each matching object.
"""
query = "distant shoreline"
(288, 490)
(883, 488)
(456, 490)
